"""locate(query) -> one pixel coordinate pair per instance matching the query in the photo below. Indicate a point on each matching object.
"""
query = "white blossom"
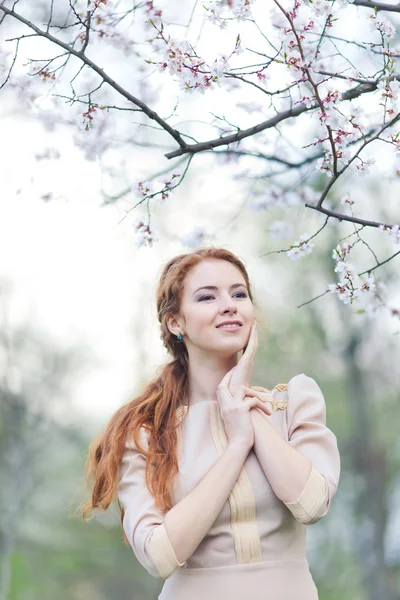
(345, 270)
(301, 247)
(394, 232)
(240, 9)
(307, 101)
(321, 7)
(344, 293)
(341, 251)
(368, 285)
(219, 66)
(143, 188)
(347, 199)
(383, 25)
(346, 288)
(344, 155)
(364, 166)
(192, 72)
(144, 233)
(390, 92)
(325, 165)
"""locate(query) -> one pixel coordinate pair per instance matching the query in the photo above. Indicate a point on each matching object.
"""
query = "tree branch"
(383, 262)
(79, 54)
(356, 155)
(355, 92)
(244, 133)
(378, 5)
(342, 217)
(272, 157)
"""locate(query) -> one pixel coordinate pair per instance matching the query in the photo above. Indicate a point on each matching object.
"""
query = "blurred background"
(79, 337)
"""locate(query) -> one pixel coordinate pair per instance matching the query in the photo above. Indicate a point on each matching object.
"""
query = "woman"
(216, 479)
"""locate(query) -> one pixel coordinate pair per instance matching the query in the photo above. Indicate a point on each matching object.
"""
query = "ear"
(174, 324)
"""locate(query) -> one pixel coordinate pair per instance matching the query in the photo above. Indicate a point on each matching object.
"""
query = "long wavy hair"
(155, 408)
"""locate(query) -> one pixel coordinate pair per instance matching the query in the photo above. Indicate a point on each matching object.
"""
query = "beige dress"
(256, 548)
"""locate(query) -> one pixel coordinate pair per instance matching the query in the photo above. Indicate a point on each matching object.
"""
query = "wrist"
(239, 447)
(255, 412)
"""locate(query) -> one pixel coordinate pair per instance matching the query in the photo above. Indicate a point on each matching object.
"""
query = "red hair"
(155, 408)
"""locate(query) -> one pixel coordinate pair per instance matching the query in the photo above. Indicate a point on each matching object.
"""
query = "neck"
(205, 374)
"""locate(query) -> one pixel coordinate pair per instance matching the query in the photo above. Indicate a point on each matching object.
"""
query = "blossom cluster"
(97, 3)
(240, 9)
(301, 247)
(390, 92)
(382, 24)
(88, 115)
(153, 14)
(149, 190)
(394, 232)
(346, 199)
(181, 60)
(100, 16)
(343, 153)
(144, 233)
(45, 74)
(346, 289)
(363, 166)
(306, 65)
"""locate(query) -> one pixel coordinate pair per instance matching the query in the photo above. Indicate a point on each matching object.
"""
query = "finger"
(226, 378)
(259, 395)
(223, 393)
(256, 403)
(252, 342)
(224, 396)
(249, 391)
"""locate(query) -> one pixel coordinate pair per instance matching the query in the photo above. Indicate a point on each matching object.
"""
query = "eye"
(243, 294)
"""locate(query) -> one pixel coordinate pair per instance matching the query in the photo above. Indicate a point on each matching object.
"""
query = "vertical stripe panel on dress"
(241, 500)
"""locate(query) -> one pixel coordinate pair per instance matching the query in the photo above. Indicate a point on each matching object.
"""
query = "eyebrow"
(213, 287)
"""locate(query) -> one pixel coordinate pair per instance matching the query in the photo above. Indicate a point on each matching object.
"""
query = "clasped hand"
(237, 398)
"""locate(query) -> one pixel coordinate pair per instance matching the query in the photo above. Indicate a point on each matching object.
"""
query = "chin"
(230, 346)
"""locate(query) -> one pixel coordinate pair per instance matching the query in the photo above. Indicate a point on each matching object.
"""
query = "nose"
(229, 307)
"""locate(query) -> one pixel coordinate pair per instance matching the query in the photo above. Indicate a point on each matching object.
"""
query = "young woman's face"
(204, 309)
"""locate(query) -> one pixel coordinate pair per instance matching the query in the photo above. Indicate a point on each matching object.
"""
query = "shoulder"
(304, 386)
(306, 401)
(301, 378)
(287, 395)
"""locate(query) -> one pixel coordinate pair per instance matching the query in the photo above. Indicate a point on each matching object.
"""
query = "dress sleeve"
(308, 433)
(143, 522)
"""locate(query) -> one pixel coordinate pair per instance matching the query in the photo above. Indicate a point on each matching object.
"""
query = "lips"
(239, 323)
